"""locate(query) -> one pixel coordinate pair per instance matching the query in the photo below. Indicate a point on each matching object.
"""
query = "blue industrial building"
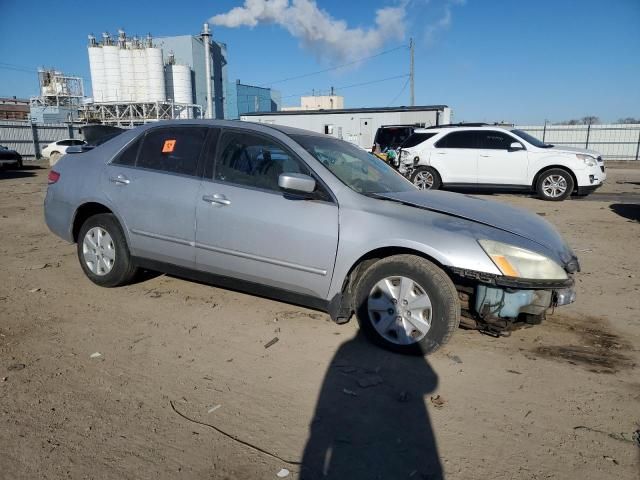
(189, 50)
(243, 99)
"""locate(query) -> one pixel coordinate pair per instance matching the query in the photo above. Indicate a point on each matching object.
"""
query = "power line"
(401, 92)
(335, 67)
(17, 68)
(345, 87)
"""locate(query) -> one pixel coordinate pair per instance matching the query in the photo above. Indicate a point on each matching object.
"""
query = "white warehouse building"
(356, 125)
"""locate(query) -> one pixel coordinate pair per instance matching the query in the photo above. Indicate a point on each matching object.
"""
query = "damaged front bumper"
(510, 303)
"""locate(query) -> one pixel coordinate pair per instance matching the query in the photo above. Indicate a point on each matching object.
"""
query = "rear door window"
(172, 150)
(495, 140)
(466, 139)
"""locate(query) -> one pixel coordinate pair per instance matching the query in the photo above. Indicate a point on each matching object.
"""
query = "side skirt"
(234, 284)
(487, 186)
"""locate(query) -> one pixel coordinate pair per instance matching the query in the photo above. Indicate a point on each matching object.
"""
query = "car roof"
(256, 126)
(456, 128)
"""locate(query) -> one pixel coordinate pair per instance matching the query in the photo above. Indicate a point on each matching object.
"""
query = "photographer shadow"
(371, 421)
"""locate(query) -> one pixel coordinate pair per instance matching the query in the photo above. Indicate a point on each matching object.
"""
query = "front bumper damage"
(497, 304)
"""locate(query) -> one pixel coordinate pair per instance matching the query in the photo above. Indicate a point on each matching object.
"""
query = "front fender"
(449, 241)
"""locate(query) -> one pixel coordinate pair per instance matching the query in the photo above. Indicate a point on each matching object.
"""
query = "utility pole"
(411, 73)
(206, 38)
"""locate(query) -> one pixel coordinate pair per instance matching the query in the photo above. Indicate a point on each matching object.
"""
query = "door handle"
(485, 156)
(217, 199)
(441, 153)
(120, 180)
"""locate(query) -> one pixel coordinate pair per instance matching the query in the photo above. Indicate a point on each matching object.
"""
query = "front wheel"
(426, 178)
(555, 185)
(407, 304)
(103, 252)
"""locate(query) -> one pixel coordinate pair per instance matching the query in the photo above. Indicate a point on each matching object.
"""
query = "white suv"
(498, 158)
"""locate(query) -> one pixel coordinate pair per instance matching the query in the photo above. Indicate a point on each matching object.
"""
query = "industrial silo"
(178, 82)
(113, 90)
(96, 67)
(127, 79)
(155, 73)
(140, 72)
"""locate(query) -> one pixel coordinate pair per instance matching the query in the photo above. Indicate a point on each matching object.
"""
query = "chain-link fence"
(613, 141)
(28, 139)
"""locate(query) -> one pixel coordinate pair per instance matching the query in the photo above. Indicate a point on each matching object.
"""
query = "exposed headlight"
(518, 262)
(587, 159)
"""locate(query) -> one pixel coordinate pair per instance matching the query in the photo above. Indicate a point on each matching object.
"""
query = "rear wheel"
(426, 178)
(555, 185)
(407, 304)
(103, 252)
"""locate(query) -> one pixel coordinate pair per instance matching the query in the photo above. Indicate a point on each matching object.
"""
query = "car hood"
(493, 214)
(564, 149)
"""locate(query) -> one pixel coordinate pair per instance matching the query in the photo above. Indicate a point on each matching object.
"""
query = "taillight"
(53, 177)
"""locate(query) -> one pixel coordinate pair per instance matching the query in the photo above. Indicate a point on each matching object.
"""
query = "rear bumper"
(58, 216)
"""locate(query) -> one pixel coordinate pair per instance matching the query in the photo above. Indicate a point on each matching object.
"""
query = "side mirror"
(296, 182)
(515, 146)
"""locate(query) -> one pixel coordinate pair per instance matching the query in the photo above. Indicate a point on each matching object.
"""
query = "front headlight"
(518, 262)
(587, 159)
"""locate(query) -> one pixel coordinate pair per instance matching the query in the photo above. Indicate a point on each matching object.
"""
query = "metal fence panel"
(613, 141)
(29, 139)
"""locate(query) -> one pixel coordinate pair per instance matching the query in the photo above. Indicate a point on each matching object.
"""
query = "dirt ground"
(92, 379)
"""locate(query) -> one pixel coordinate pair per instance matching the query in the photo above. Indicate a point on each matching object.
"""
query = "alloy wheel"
(554, 186)
(423, 180)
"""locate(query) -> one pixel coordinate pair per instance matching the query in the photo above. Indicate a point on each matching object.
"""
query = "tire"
(113, 248)
(402, 333)
(53, 158)
(422, 176)
(554, 185)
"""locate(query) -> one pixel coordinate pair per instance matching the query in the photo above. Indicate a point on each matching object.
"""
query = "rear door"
(154, 184)
(456, 158)
(247, 228)
(498, 163)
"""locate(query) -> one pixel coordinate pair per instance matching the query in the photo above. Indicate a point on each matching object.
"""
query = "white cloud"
(317, 30)
(443, 23)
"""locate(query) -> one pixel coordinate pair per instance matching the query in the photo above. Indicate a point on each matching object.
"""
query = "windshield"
(531, 139)
(356, 168)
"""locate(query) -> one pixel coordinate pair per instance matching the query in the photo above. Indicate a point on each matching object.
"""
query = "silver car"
(308, 219)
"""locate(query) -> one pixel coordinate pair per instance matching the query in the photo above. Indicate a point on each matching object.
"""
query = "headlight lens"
(518, 262)
(587, 159)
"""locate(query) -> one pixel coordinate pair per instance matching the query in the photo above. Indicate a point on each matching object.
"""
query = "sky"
(489, 60)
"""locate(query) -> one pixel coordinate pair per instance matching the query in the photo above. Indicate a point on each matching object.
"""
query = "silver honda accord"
(308, 219)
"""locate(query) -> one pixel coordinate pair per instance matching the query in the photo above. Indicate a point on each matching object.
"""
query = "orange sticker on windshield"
(168, 146)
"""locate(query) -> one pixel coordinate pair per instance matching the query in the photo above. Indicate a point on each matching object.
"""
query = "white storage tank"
(96, 67)
(113, 89)
(178, 83)
(140, 74)
(155, 75)
(127, 79)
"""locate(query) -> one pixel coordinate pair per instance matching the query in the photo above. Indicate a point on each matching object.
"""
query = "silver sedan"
(308, 219)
